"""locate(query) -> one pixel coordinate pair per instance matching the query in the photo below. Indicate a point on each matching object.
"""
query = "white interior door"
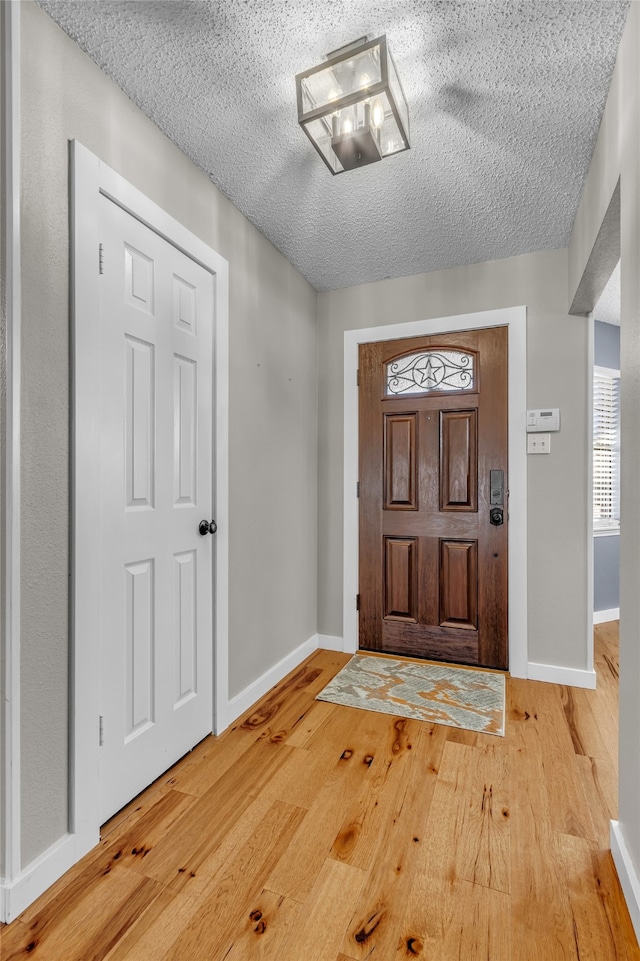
(156, 585)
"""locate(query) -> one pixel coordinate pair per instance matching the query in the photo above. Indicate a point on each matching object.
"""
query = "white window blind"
(606, 448)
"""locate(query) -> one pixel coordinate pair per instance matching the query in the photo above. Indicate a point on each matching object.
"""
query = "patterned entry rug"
(454, 696)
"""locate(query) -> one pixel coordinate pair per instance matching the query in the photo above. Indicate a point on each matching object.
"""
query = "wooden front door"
(433, 497)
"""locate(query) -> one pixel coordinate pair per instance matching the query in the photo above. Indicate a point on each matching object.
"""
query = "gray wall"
(606, 345)
(606, 572)
(3, 366)
(273, 402)
(606, 547)
(617, 155)
(557, 377)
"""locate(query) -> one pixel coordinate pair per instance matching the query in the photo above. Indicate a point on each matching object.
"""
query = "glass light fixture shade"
(352, 106)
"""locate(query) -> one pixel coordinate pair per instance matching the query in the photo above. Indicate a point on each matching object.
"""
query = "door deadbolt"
(496, 488)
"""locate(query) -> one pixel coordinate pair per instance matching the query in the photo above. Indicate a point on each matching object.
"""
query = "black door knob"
(206, 527)
(496, 517)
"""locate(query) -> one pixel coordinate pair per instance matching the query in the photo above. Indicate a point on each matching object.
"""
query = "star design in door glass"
(429, 371)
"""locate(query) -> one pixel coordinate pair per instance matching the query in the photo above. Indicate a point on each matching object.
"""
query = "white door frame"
(10, 772)
(90, 178)
(515, 318)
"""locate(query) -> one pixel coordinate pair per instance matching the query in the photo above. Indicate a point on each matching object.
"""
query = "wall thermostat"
(543, 420)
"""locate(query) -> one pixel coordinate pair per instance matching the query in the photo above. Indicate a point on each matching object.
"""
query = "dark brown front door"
(433, 516)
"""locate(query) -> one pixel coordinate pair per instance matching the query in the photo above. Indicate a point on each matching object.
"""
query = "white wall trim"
(37, 877)
(258, 688)
(601, 617)
(221, 556)
(627, 874)
(10, 840)
(90, 179)
(85, 463)
(515, 318)
(329, 642)
(589, 480)
(571, 676)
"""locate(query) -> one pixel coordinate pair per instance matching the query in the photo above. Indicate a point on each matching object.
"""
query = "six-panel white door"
(156, 605)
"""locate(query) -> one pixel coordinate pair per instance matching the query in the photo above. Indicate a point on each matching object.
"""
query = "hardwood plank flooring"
(313, 832)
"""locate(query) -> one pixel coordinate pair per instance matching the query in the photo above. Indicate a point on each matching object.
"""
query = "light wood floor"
(312, 832)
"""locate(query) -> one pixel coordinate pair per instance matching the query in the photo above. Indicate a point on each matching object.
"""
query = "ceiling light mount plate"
(346, 48)
(352, 106)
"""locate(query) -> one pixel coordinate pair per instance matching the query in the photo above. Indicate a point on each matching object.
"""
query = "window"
(606, 449)
(430, 370)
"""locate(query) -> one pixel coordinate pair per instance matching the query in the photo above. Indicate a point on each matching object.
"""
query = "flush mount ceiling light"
(352, 107)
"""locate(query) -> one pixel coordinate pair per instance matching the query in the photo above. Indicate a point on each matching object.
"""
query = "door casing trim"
(89, 179)
(10, 673)
(515, 318)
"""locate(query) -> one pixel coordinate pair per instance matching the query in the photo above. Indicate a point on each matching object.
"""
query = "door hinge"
(357, 378)
(101, 730)
(357, 488)
(101, 258)
(357, 602)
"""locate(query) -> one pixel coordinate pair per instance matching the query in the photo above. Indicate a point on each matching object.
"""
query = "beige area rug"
(439, 694)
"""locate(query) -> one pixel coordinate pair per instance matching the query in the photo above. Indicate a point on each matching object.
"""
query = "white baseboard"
(627, 873)
(571, 676)
(329, 642)
(17, 895)
(601, 617)
(258, 688)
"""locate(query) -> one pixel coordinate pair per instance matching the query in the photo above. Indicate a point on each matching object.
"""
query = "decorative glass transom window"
(432, 369)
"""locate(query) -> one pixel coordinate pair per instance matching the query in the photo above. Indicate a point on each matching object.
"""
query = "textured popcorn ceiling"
(505, 99)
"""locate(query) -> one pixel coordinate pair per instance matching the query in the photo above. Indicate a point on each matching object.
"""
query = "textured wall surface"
(273, 401)
(557, 376)
(607, 309)
(505, 100)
